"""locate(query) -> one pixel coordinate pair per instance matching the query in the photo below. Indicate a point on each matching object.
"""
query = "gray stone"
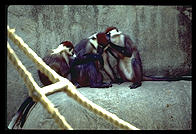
(154, 105)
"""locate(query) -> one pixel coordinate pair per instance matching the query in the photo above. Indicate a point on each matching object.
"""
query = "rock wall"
(163, 35)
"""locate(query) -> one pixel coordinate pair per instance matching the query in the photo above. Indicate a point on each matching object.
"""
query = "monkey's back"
(58, 64)
(80, 47)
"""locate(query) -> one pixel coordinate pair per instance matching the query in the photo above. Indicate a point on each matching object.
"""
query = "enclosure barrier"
(60, 84)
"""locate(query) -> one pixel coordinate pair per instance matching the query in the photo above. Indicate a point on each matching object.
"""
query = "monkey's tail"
(20, 116)
(14, 120)
(152, 78)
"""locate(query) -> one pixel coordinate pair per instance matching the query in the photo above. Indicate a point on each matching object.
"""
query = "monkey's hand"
(75, 62)
(135, 85)
(95, 57)
(102, 48)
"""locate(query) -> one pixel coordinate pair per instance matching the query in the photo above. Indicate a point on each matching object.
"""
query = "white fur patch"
(94, 42)
(74, 56)
(114, 32)
(59, 49)
(126, 67)
(118, 40)
(93, 36)
(66, 58)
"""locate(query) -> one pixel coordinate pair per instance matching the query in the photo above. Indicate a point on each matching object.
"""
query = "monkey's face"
(69, 51)
(114, 36)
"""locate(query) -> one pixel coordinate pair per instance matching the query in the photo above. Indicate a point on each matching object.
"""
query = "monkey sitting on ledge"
(129, 64)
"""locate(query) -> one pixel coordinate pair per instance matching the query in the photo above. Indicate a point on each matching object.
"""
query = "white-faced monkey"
(129, 64)
(93, 45)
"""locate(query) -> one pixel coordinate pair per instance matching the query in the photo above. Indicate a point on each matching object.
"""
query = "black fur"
(84, 70)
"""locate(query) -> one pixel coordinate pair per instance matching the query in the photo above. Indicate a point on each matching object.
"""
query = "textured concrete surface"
(154, 105)
(163, 35)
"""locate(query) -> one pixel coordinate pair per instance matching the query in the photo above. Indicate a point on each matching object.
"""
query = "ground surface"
(154, 105)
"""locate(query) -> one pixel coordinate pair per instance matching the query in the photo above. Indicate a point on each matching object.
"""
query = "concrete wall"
(162, 33)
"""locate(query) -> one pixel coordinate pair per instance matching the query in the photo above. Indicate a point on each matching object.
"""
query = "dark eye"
(70, 49)
(108, 36)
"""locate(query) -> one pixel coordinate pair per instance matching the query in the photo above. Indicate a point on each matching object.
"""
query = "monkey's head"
(103, 41)
(65, 48)
(68, 48)
(110, 29)
(114, 34)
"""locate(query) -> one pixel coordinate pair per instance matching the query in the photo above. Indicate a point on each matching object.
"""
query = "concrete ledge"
(154, 105)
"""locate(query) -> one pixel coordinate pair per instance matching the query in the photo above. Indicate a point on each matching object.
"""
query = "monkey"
(63, 60)
(92, 45)
(89, 46)
(58, 60)
(129, 64)
(128, 58)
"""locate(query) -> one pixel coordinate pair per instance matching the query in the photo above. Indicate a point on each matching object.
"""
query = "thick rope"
(68, 87)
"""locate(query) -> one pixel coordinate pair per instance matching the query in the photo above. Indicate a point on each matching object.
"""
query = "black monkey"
(89, 49)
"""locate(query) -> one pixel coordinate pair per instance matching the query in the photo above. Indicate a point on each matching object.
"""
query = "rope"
(62, 84)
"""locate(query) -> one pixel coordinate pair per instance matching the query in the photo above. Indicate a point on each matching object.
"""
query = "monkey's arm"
(88, 58)
(93, 57)
(123, 50)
